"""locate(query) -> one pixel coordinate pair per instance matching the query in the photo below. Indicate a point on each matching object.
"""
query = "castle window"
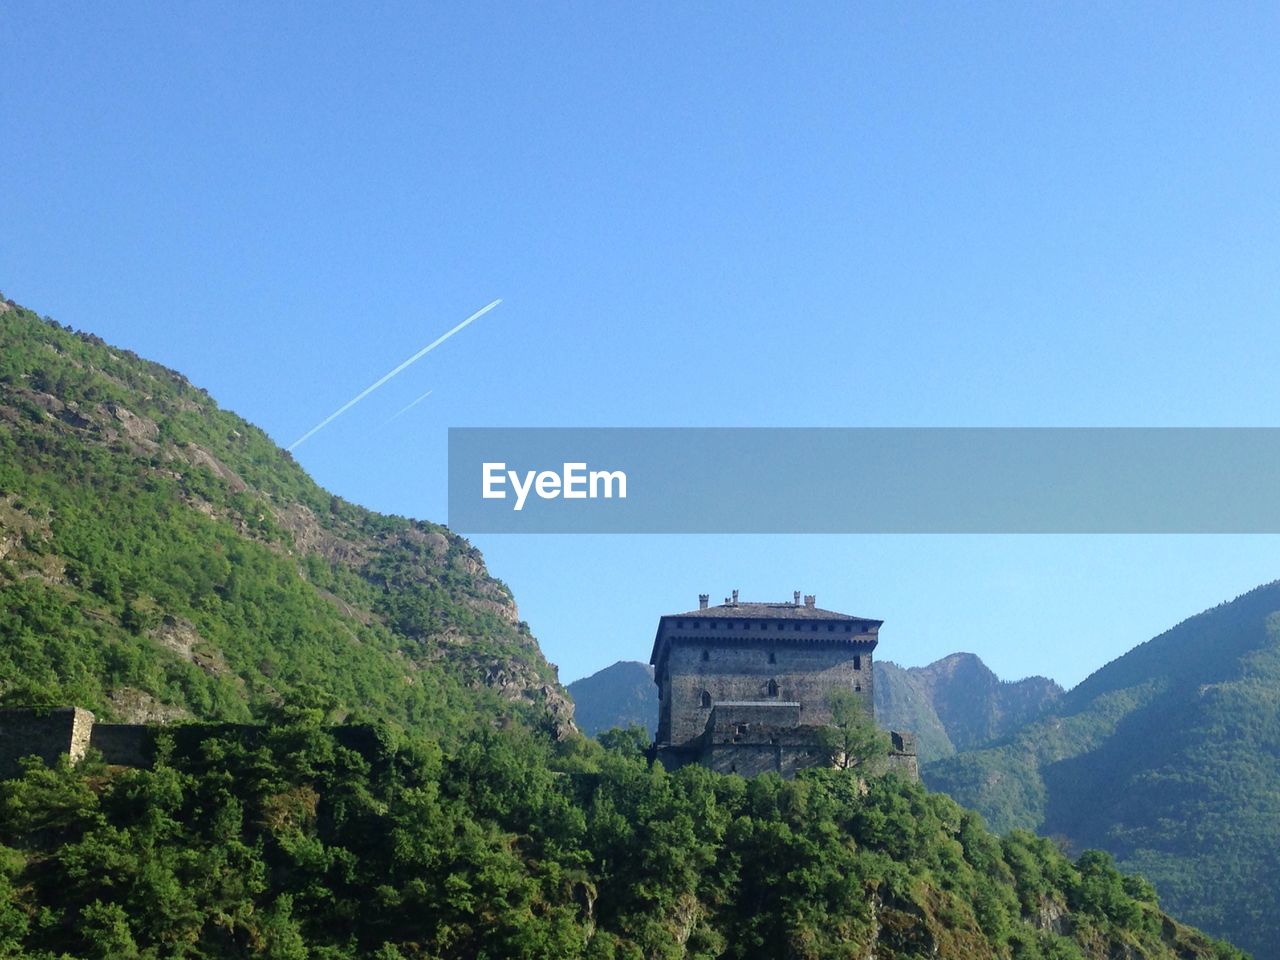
(773, 688)
(857, 688)
(681, 624)
(729, 625)
(773, 657)
(857, 663)
(813, 627)
(831, 628)
(848, 628)
(706, 699)
(706, 655)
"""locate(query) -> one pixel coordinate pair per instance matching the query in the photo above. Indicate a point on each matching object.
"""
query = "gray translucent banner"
(865, 480)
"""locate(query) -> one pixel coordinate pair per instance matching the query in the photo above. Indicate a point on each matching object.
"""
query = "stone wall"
(125, 744)
(753, 759)
(47, 733)
(805, 672)
(902, 755)
(751, 738)
(52, 733)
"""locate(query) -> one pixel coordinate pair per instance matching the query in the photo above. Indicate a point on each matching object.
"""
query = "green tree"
(852, 740)
(632, 741)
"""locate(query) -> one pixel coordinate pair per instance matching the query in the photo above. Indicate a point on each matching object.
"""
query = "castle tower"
(743, 686)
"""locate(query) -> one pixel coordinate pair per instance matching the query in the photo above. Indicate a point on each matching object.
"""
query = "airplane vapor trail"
(400, 369)
(410, 406)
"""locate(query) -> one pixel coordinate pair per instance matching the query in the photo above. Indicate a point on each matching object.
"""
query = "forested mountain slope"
(956, 703)
(1169, 758)
(512, 846)
(620, 695)
(162, 558)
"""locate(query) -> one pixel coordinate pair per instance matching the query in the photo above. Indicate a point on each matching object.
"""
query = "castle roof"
(751, 610)
(735, 609)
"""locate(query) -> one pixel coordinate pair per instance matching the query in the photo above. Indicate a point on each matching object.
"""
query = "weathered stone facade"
(902, 754)
(743, 687)
(125, 744)
(753, 738)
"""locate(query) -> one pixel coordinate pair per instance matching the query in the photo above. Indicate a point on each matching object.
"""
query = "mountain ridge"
(957, 702)
(623, 694)
(162, 557)
(1167, 758)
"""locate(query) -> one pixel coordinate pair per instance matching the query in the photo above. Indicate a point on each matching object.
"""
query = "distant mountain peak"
(621, 695)
(956, 702)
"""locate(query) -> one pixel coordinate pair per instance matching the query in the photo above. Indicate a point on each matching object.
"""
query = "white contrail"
(412, 360)
(410, 406)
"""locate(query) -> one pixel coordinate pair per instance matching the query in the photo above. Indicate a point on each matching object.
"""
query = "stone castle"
(743, 687)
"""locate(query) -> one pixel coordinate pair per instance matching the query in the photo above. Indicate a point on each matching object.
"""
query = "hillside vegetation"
(1169, 758)
(509, 846)
(161, 558)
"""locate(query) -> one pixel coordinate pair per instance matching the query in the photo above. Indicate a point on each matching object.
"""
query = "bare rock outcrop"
(310, 537)
(181, 637)
(199, 457)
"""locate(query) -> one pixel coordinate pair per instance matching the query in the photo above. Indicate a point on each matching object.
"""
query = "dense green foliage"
(851, 740)
(159, 556)
(507, 847)
(1169, 758)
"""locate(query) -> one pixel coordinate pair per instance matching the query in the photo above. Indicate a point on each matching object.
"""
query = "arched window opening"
(706, 699)
(706, 655)
(773, 688)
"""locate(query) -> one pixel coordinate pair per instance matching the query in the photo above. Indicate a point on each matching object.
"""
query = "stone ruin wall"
(56, 732)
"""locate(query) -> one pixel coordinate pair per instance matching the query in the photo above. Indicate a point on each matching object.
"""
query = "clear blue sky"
(697, 214)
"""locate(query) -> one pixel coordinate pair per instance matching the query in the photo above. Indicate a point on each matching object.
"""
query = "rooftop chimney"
(735, 598)
(703, 600)
(810, 600)
(795, 599)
